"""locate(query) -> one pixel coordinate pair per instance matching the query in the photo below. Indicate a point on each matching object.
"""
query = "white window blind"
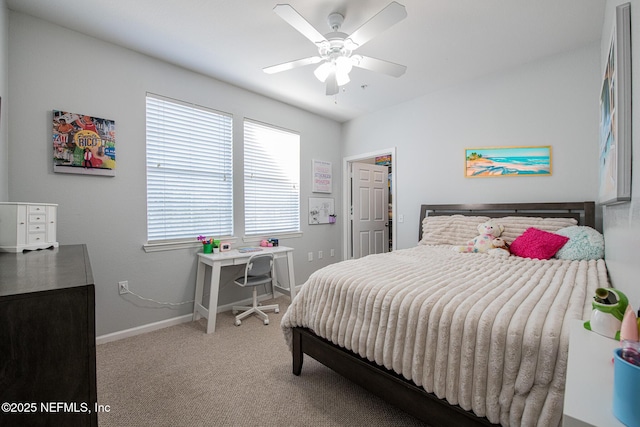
(271, 180)
(189, 171)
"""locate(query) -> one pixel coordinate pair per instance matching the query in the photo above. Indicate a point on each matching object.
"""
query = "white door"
(370, 198)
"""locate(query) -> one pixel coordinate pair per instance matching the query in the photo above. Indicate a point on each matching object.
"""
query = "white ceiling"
(442, 42)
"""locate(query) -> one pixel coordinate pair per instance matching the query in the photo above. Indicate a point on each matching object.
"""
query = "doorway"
(350, 240)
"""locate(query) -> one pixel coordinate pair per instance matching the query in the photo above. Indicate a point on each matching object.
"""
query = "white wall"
(549, 102)
(4, 88)
(622, 222)
(53, 68)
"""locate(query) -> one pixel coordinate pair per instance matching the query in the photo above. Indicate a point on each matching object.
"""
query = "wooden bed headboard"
(583, 212)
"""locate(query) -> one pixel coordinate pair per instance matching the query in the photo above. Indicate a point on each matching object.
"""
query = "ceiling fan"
(335, 49)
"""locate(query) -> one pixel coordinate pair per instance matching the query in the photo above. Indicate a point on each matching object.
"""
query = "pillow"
(584, 243)
(536, 243)
(450, 229)
(514, 226)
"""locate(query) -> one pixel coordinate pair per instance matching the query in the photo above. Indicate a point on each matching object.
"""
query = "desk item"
(246, 250)
(225, 246)
(259, 271)
(233, 257)
(626, 391)
(629, 327)
(608, 308)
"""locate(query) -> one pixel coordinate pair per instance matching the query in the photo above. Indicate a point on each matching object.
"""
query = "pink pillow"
(536, 243)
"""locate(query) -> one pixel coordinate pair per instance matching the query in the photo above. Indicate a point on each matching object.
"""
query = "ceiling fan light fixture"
(335, 48)
(332, 84)
(323, 71)
(343, 65)
(342, 78)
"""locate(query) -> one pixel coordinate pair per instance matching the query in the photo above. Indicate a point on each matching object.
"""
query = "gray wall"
(549, 102)
(622, 222)
(53, 68)
(4, 85)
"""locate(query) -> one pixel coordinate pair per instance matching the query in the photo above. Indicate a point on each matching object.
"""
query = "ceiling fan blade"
(289, 14)
(379, 66)
(292, 64)
(332, 84)
(383, 20)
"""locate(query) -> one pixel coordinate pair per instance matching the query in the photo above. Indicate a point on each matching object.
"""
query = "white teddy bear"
(484, 242)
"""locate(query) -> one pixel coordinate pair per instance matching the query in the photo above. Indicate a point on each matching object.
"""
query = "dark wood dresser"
(47, 338)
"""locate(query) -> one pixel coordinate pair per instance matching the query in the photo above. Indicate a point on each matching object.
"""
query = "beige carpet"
(237, 376)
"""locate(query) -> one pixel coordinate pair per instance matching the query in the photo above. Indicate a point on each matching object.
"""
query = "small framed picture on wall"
(322, 176)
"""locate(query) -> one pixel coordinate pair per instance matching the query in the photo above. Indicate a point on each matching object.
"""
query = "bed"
(455, 339)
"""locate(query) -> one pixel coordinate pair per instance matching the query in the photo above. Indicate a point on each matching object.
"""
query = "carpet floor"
(237, 376)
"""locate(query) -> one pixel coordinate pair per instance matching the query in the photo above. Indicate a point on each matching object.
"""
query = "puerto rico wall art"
(83, 144)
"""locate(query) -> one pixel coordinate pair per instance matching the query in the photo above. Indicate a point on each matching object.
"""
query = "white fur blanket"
(487, 333)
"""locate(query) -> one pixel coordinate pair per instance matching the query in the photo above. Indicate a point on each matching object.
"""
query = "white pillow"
(514, 226)
(450, 229)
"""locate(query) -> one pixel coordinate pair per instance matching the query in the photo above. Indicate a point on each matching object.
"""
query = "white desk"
(588, 395)
(233, 257)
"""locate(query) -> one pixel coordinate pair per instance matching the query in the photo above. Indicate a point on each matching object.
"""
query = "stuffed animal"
(482, 243)
(500, 248)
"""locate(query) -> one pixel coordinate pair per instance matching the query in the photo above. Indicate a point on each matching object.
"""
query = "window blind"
(271, 180)
(189, 171)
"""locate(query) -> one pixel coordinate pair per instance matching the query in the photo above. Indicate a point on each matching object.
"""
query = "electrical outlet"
(310, 256)
(333, 252)
(123, 287)
(319, 254)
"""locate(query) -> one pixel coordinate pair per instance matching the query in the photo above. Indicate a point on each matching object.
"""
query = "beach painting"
(507, 161)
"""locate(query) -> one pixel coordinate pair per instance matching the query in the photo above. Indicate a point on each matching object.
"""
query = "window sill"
(171, 246)
(257, 239)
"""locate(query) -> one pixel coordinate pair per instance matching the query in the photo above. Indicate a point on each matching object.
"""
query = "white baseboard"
(115, 336)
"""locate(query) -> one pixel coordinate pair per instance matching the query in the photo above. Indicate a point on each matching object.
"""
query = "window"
(271, 180)
(189, 171)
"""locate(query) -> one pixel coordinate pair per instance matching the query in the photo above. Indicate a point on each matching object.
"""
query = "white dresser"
(27, 226)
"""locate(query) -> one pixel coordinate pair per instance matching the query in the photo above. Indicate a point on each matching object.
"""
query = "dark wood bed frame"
(394, 388)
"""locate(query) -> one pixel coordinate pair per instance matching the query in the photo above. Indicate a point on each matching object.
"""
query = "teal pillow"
(584, 243)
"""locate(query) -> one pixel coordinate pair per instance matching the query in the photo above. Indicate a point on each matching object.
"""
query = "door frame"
(346, 196)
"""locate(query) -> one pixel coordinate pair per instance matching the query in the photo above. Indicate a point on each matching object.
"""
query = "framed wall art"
(322, 176)
(615, 114)
(507, 161)
(321, 210)
(83, 144)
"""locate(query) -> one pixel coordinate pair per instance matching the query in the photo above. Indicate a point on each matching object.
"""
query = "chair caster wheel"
(277, 310)
(266, 322)
(238, 322)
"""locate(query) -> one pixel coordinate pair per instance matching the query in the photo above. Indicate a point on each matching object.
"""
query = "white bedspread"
(487, 333)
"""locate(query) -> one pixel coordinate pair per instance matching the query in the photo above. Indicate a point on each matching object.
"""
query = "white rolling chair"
(259, 271)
